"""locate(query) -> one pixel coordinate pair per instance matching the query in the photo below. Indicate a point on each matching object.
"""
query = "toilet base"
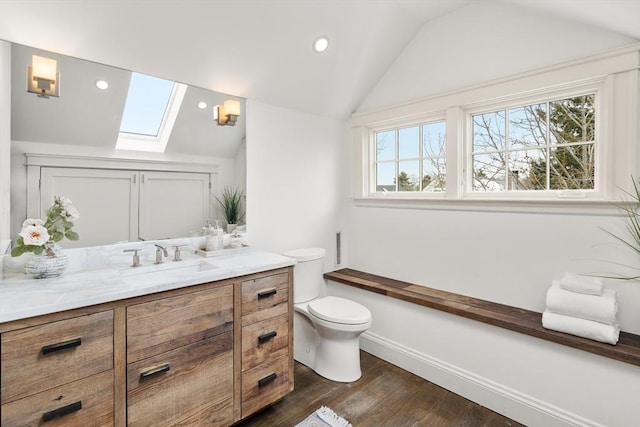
(331, 353)
(305, 340)
(339, 360)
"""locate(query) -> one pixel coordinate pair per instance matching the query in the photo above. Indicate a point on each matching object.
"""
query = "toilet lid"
(339, 310)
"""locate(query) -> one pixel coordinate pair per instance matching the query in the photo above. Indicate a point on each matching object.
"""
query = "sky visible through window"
(146, 104)
(407, 152)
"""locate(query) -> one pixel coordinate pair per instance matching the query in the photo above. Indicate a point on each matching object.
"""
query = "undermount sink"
(156, 272)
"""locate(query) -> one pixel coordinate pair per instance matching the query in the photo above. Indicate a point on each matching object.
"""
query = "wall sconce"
(227, 114)
(43, 77)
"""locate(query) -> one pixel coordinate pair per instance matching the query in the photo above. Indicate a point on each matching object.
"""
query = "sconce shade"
(227, 114)
(232, 107)
(43, 77)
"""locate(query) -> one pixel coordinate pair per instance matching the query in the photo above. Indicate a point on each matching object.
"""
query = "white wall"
(484, 41)
(505, 257)
(5, 142)
(296, 183)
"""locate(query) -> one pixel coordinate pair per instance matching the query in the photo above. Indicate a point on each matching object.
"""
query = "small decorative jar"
(52, 262)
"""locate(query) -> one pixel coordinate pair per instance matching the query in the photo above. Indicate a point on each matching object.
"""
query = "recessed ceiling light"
(320, 44)
(202, 105)
(102, 84)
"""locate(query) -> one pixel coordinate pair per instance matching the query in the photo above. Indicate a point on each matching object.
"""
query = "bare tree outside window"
(544, 146)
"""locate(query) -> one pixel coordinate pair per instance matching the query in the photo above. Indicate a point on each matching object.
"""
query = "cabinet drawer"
(158, 326)
(264, 385)
(86, 402)
(191, 385)
(45, 356)
(264, 297)
(265, 340)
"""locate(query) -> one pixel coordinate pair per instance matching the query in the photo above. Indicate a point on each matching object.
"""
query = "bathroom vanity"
(190, 345)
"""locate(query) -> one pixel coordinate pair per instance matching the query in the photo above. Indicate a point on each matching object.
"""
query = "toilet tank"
(307, 273)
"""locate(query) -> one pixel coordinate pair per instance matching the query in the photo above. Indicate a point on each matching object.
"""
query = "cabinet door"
(106, 199)
(188, 386)
(172, 204)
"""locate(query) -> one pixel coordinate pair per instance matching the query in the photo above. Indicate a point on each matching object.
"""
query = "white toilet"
(326, 330)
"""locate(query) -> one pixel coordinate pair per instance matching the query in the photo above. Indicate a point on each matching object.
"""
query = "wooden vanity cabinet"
(59, 372)
(267, 340)
(180, 360)
(203, 355)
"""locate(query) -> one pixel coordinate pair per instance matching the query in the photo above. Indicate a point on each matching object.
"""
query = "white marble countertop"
(22, 297)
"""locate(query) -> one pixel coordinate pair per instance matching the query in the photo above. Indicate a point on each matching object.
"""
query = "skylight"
(149, 114)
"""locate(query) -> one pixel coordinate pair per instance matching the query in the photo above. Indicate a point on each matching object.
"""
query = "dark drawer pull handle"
(266, 380)
(155, 371)
(266, 294)
(266, 337)
(57, 413)
(61, 346)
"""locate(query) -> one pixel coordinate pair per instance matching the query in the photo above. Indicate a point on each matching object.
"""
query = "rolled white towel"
(602, 308)
(583, 328)
(582, 284)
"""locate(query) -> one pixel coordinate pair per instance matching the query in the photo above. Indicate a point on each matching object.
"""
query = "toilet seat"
(339, 310)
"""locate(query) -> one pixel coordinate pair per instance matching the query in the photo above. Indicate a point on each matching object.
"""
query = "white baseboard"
(504, 400)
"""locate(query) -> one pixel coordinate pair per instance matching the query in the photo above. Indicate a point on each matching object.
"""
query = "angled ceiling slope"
(261, 49)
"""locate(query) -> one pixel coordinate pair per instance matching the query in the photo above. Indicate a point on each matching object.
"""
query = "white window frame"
(613, 76)
(594, 86)
(395, 126)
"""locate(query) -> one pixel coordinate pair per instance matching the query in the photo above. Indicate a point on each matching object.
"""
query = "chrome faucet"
(160, 250)
(136, 257)
(176, 254)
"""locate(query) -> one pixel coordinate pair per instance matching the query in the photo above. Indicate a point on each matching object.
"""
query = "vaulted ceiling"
(261, 49)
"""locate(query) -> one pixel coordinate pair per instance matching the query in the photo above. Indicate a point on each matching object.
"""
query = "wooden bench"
(504, 316)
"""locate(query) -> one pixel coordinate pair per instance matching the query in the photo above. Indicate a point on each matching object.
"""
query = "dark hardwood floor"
(385, 396)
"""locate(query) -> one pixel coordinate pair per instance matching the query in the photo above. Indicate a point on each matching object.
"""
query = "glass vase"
(52, 262)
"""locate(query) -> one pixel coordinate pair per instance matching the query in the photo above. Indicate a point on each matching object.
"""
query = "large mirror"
(69, 141)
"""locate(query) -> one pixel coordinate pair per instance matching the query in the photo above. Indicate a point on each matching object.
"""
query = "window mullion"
(507, 169)
(548, 145)
(397, 165)
(420, 157)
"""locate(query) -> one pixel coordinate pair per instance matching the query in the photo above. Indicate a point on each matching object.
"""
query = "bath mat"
(324, 417)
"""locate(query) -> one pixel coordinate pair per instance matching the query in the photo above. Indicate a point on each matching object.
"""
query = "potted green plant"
(230, 202)
(629, 209)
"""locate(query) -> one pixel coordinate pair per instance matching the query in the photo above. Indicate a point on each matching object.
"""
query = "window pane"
(434, 175)
(146, 104)
(572, 119)
(385, 176)
(408, 173)
(488, 131)
(528, 170)
(528, 126)
(386, 145)
(409, 143)
(433, 139)
(489, 172)
(572, 168)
